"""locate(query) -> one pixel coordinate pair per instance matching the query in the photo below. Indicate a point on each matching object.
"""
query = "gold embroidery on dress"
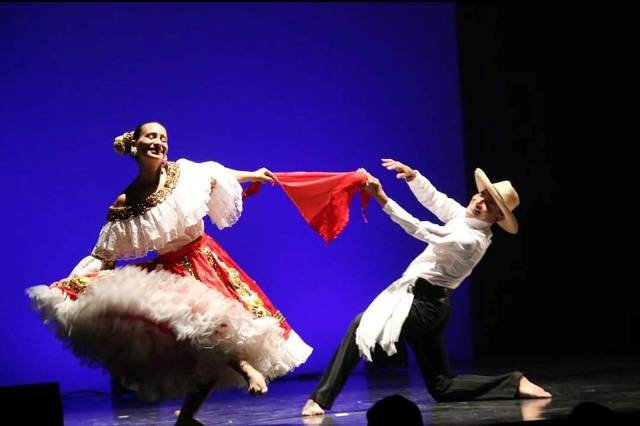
(126, 212)
(188, 266)
(210, 260)
(76, 284)
(248, 297)
(279, 317)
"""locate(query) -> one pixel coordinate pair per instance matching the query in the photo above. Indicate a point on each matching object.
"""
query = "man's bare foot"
(533, 409)
(255, 379)
(317, 421)
(526, 389)
(311, 408)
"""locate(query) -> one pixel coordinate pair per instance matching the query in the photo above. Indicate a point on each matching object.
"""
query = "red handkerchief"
(323, 198)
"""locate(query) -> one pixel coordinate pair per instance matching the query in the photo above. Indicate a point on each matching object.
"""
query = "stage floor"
(611, 382)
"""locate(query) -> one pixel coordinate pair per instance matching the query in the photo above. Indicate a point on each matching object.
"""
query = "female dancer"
(190, 320)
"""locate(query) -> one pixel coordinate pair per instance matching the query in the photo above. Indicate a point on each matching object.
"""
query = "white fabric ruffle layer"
(162, 334)
(177, 217)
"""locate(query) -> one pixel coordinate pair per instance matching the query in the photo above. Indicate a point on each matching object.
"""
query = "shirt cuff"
(418, 181)
(390, 207)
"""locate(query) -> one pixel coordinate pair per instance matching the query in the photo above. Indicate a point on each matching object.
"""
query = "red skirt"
(206, 261)
(166, 326)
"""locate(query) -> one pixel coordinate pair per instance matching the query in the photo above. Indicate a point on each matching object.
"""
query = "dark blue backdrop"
(294, 87)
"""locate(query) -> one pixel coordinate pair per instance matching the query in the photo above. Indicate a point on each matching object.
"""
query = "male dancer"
(416, 306)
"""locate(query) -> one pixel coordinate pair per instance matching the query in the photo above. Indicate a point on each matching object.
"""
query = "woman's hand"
(404, 172)
(263, 175)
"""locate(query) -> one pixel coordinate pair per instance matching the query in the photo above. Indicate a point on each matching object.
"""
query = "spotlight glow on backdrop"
(293, 87)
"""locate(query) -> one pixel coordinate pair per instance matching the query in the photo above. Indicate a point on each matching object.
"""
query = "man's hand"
(373, 183)
(374, 187)
(404, 172)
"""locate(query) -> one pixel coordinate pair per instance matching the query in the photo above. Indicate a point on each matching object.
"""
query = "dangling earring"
(133, 151)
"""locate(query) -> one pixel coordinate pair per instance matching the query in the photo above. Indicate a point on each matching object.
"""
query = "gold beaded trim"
(249, 298)
(126, 212)
(188, 266)
(211, 261)
(279, 317)
(76, 284)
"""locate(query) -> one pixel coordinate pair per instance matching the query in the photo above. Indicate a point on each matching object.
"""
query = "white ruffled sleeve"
(100, 258)
(225, 202)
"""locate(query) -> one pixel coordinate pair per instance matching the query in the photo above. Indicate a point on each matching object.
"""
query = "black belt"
(423, 289)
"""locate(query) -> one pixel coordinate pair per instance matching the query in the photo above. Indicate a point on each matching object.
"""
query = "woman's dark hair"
(138, 129)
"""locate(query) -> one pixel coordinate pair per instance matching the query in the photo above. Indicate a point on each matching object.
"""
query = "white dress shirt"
(453, 250)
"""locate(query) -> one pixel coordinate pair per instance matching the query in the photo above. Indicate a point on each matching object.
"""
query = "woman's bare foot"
(184, 421)
(192, 402)
(526, 389)
(255, 379)
(311, 408)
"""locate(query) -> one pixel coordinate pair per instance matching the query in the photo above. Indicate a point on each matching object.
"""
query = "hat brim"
(509, 223)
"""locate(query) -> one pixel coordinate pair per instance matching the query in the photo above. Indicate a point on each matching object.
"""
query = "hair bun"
(122, 144)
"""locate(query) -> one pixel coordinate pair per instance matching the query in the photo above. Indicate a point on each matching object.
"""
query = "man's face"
(482, 206)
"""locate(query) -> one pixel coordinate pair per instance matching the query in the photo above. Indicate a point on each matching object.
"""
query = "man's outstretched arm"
(421, 230)
(438, 203)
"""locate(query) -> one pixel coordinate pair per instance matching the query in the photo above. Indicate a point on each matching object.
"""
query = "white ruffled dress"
(160, 332)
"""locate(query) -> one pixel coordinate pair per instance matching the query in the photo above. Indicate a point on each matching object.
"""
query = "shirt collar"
(477, 223)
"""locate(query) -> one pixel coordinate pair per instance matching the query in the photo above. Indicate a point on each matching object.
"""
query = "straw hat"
(505, 196)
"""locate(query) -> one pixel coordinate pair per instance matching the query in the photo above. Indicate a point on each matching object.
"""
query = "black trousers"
(424, 331)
